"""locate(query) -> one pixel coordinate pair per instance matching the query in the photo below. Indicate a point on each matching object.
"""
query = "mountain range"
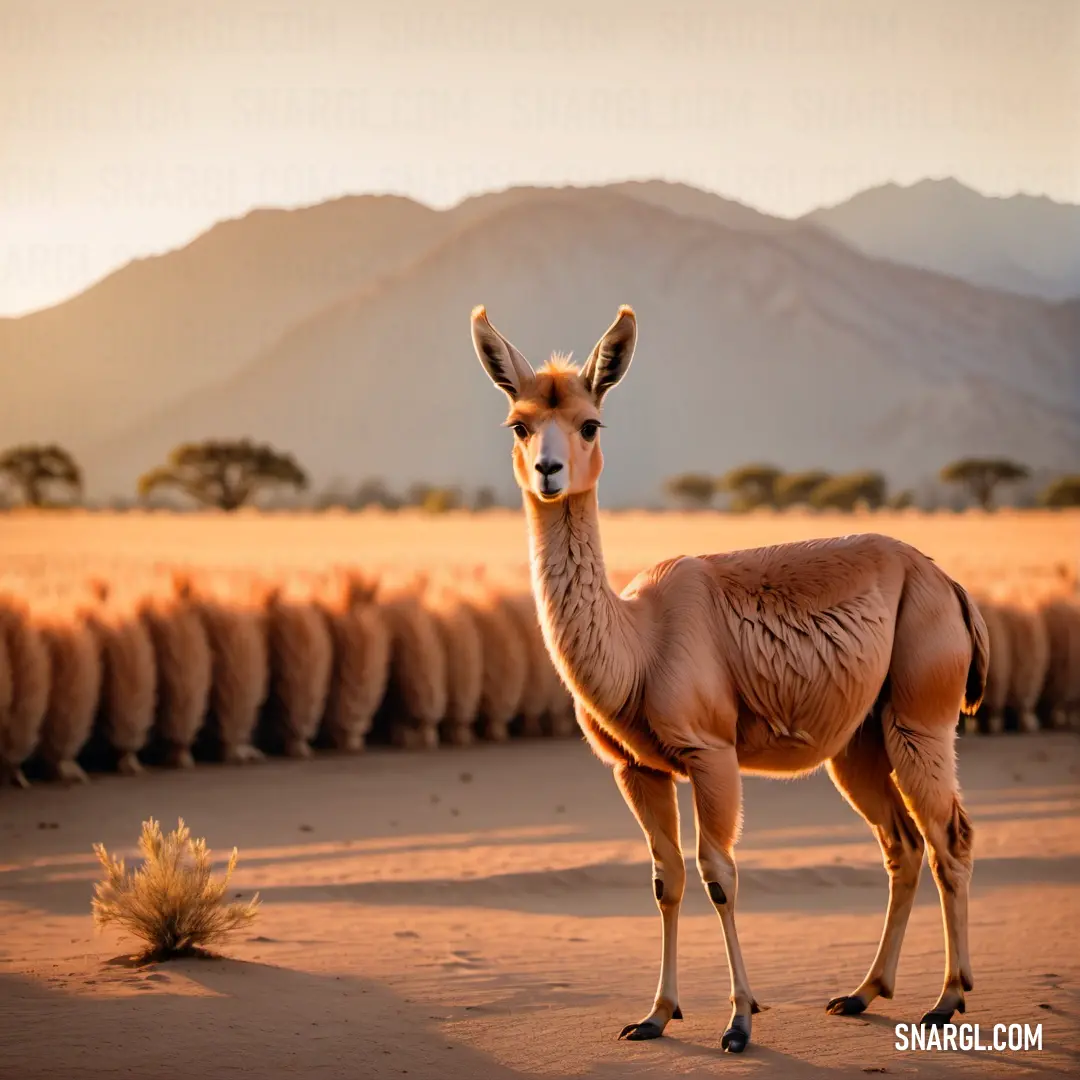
(1024, 244)
(340, 332)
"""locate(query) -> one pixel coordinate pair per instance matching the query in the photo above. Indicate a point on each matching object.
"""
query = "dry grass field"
(971, 545)
(485, 910)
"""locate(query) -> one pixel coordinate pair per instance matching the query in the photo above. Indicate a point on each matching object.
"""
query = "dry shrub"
(171, 903)
(184, 665)
(460, 636)
(129, 676)
(74, 693)
(1059, 700)
(417, 689)
(1030, 647)
(301, 658)
(240, 675)
(506, 661)
(24, 687)
(361, 663)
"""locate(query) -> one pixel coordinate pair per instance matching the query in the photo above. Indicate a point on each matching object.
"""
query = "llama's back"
(796, 639)
(849, 587)
(805, 636)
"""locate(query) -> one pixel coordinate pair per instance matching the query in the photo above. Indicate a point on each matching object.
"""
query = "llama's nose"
(547, 467)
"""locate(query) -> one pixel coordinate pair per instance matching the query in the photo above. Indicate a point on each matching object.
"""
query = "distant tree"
(335, 495)
(982, 475)
(691, 489)
(36, 470)
(374, 493)
(849, 491)
(226, 473)
(416, 494)
(484, 499)
(795, 489)
(1063, 492)
(750, 486)
(438, 500)
(901, 500)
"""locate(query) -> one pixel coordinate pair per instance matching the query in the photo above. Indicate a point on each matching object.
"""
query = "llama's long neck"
(589, 631)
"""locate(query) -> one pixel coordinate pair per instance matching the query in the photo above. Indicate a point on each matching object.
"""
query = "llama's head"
(555, 412)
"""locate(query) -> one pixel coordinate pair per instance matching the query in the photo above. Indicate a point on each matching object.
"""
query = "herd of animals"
(201, 666)
(229, 666)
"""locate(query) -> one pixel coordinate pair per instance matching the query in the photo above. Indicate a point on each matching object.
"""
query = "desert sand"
(488, 913)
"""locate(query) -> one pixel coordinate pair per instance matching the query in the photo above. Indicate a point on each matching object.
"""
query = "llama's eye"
(589, 430)
(520, 430)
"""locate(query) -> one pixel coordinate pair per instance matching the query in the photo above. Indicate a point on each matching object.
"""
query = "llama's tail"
(980, 650)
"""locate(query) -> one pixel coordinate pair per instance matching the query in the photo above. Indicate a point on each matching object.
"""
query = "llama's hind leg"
(924, 761)
(651, 796)
(861, 773)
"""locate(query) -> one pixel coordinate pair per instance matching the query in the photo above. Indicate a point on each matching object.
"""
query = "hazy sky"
(127, 127)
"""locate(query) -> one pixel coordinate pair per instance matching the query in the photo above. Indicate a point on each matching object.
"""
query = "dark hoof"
(734, 1041)
(677, 1014)
(13, 777)
(936, 1019)
(647, 1029)
(846, 1006)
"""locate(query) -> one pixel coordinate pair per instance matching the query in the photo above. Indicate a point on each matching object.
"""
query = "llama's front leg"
(717, 784)
(651, 796)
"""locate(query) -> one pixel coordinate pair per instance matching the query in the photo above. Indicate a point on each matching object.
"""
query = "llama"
(129, 680)
(857, 653)
(1060, 697)
(991, 717)
(361, 662)
(301, 654)
(184, 666)
(506, 661)
(1029, 647)
(462, 643)
(25, 678)
(239, 670)
(75, 663)
(536, 693)
(417, 689)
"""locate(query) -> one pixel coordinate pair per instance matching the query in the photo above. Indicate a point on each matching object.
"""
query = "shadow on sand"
(210, 1017)
(580, 891)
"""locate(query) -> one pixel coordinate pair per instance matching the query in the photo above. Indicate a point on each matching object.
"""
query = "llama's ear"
(509, 370)
(610, 360)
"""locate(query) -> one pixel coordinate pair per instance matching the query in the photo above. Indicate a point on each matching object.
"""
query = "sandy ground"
(488, 913)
